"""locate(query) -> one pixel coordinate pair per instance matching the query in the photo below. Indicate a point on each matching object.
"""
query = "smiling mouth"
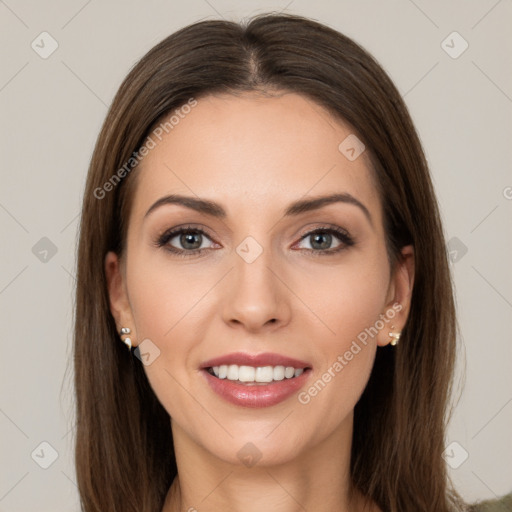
(255, 375)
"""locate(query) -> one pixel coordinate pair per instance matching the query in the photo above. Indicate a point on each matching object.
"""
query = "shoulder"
(500, 505)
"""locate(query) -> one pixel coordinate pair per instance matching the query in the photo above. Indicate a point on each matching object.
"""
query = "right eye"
(189, 238)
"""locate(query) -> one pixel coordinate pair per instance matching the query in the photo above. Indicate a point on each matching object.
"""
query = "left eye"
(321, 240)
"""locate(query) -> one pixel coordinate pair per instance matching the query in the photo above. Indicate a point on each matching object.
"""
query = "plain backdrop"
(53, 105)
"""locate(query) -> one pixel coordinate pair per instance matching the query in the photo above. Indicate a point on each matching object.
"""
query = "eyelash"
(341, 234)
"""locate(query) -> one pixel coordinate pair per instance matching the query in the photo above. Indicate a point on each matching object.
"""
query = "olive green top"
(500, 505)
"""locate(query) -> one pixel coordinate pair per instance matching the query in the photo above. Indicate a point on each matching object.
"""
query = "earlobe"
(118, 297)
(399, 304)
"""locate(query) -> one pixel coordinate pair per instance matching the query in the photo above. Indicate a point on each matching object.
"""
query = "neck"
(318, 479)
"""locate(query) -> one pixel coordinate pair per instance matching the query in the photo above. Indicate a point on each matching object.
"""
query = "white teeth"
(246, 373)
(232, 372)
(289, 372)
(278, 372)
(256, 374)
(264, 374)
(223, 371)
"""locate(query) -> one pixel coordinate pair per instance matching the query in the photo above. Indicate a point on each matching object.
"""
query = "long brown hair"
(124, 450)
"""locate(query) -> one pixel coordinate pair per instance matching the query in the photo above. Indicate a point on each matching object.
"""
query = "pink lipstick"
(259, 380)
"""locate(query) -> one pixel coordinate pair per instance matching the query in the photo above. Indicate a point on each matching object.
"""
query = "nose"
(256, 298)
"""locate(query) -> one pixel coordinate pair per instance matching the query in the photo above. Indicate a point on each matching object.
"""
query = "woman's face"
(261, 285)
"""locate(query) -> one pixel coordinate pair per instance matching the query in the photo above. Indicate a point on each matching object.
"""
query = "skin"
(255, 155)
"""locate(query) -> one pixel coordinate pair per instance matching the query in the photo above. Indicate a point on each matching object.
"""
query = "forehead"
(249, 150)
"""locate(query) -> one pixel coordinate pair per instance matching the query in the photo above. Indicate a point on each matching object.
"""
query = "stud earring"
(395, 336)
(126, 341)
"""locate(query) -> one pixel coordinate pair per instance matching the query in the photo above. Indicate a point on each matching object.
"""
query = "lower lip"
(257, 395)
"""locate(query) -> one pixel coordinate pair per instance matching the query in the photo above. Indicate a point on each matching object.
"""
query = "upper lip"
(265, 359)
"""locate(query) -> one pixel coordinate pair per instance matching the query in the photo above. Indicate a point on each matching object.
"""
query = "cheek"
(164, 302)
(163, 294)
(347, 297)
(168, 301)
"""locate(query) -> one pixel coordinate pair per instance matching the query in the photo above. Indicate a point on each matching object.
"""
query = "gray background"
(52, 110)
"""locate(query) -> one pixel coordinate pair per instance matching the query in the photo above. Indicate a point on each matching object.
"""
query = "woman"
(260, 228)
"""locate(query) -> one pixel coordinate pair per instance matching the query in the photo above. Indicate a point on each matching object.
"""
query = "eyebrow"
(214, 209)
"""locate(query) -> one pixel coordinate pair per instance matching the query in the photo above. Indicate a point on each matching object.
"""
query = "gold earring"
(126, 341)
(395, 336)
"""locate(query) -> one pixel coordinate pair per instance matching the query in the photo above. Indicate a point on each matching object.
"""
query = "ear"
(119, 303)
(398, 300)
